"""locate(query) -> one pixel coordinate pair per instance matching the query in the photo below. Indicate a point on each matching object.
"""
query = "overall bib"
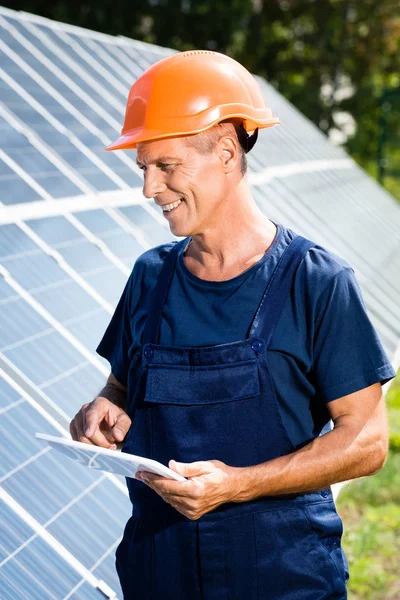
(218, 402)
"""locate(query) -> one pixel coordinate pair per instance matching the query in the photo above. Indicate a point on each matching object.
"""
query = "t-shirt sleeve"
(347, 352)
(117, 339)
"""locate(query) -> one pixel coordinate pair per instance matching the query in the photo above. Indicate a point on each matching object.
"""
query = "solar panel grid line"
(121, 54)
(42, 403)
(302, 207)
(66, 267)
(39, 308)
(309, 221)
(80, 146)
(354, 190)
(351, 204)
(313, 208)
(84, 32)
(63, 167)
(112, 62)
(119, 40)
(36, 397)
(59, 163)
(288, 170)
(315, 222)
(62, 511)
(65, 206)
(142, 60)
(60, 376)
(24, 210)
(63, 77)
(351, 198)
(85, 75)
(12, 405)
(22, 591)
(95, 64)
(55, 94)
(125, 223)
(103, 587)
(67, 106)
(50, 154)
(22, 465)
(386, 321)
(49, 539)
(141, 45)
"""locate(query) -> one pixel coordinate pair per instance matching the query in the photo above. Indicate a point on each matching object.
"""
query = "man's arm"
(115, 392)
(357, 446)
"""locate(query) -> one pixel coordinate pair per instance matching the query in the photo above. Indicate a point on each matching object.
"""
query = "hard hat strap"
(246, 140)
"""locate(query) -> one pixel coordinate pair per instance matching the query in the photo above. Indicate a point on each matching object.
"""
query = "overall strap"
(159, 294)
(278, 289)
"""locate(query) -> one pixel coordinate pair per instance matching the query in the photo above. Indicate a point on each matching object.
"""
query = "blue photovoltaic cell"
(47, 358)
(51, 77)
(36, 165)
(153, 230)
(13, 189)
(119, 241)
(74, 52)
(87, 259)
(103, 100)
(106, 571)
(15, 532)
(61, 495)
(37, 573)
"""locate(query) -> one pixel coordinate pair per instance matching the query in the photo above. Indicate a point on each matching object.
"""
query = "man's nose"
(153, 183)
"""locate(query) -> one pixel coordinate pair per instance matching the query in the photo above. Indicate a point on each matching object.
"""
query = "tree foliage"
(325, 56)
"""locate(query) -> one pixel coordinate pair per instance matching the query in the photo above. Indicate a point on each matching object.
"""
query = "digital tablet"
(104, 459)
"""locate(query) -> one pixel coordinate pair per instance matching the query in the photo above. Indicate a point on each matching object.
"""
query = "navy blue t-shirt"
(323, 347)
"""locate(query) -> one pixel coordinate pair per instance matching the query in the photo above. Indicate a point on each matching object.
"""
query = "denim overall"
(218, 402)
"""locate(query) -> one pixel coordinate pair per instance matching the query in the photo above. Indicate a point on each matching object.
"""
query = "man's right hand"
(100, 423)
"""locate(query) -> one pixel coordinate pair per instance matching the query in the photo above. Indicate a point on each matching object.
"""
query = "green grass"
(370, 509)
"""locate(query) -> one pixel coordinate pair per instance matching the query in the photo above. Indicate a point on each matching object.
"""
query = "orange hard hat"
(189, 92)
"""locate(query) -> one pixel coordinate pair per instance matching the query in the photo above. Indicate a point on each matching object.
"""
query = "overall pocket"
(327, 527)
(292, 562)
(189, 385)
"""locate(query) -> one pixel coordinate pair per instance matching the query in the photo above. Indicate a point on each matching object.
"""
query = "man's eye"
(164, 166)
(142, 167)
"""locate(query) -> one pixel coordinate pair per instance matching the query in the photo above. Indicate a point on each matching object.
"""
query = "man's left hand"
(209, 484)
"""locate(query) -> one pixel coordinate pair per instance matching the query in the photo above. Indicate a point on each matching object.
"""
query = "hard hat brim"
(129, 139)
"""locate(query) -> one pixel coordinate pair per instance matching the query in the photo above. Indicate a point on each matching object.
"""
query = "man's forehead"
(160, 150)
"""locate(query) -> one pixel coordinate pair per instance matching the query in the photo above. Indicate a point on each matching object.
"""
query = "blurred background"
(73, 221)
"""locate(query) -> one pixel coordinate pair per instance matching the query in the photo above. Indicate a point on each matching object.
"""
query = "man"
(230, 352)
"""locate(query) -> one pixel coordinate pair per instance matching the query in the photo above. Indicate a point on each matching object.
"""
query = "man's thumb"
(188, 469)
(121, 426)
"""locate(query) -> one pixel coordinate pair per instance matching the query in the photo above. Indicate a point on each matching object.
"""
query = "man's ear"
(228, 153)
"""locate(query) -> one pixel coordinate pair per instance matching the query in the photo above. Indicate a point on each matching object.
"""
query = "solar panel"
(72, 223)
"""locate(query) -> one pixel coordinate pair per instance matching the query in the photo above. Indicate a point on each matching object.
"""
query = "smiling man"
(231, 351)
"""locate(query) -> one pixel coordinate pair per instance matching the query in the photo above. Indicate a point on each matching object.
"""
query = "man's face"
(175, 171)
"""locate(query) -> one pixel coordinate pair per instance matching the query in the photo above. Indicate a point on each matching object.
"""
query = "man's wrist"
(241, 484)
(114, 395)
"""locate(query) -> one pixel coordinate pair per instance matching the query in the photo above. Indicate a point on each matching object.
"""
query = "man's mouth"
(171, 206)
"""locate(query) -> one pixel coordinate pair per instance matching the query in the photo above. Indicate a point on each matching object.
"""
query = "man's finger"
(121, 426)
(99, 439)
(194, 469)
(92, 418)
(164, 485)
(72, 430)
